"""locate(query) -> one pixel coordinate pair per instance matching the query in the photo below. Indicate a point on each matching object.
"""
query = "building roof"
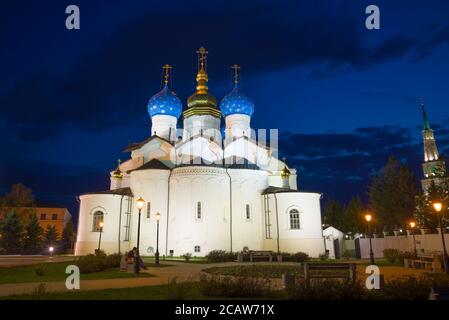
(198, 161)
(273, 189)
(136, 145)
(238, 164)
(121, 191)
(152, 164)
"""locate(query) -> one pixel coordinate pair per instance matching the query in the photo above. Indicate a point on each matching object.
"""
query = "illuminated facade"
(212, 192)
(434, 166)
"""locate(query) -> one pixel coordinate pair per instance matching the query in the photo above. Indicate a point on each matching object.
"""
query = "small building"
(334, 242)
(47, 216)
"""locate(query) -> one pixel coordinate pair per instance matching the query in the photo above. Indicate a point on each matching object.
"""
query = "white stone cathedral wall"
(164, 126)
(309, 237)
(210, 186)
(152, 186)
(247, 186)
(87, 240)
(209, 124)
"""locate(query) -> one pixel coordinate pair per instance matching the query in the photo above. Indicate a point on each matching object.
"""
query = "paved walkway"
(183, 272)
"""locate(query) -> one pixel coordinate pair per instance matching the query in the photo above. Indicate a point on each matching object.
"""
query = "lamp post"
(156, 256)
(140, 203)
(368, 218)
(101, 224)
(412, 229)
(438, 206)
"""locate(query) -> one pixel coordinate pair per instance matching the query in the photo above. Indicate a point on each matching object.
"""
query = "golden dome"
(118, 173)
(285, 173)
(202, 102)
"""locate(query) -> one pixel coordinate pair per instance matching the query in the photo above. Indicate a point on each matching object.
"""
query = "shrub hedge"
(98, 262)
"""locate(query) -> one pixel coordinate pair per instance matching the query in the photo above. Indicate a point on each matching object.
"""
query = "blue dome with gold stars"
(236, 103)
(165, 102)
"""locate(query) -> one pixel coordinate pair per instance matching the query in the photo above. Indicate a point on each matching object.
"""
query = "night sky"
(343, 97)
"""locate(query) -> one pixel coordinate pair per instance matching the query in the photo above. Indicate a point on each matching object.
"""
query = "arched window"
(197, 249)
(198, 211)
(294, 219)
(98, 217)
(248, 212)
(148, 210)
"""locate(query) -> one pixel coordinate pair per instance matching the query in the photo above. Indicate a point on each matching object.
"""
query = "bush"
(408, 288)
(41, 270)
(295, 257)
(179, 290)
(407, 255)
(348, 254)
(187, 256)
(113, 260)
(98, 262)
(220, 256)
(325, 289)
(392, 255)
(234, 287)
(40, 292)
(300, 257)
(324, 256)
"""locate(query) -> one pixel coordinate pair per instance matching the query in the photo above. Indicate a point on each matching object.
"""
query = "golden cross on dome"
(202, 55)
(166, 68)
(236, 68)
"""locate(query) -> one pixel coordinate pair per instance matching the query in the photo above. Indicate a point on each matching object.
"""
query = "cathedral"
(210, 185)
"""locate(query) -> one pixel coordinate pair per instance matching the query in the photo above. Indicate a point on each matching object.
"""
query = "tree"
(334, 214)
(392, 194)
(11, 233)
(67, 237)
(51, 236)
(425, 214)
(354, 216)
(32, 242)
(19, 196)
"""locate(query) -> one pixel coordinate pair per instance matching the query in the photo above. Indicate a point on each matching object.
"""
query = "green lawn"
(161, 292)
(56, 272)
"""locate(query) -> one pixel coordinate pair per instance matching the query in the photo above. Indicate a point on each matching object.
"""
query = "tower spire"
(201, 76)
(424, 114)
(236, 68)
(166, 69)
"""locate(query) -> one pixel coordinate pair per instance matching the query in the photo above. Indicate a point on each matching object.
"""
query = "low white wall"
(427, 242)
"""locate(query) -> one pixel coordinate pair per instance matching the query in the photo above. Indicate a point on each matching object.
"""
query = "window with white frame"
(294, 219)
(199, 213)
(98, 218)
(148, 210)
(197, 249)
(248, 212)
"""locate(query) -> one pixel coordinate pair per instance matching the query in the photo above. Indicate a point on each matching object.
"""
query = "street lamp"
(412, 229)
(438, 206)
(140, 203)
(51, 249)
(156, 256)
(101, 224)
(368, 218)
